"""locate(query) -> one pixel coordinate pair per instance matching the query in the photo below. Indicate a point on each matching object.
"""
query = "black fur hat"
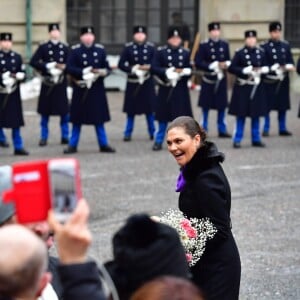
(144, 249)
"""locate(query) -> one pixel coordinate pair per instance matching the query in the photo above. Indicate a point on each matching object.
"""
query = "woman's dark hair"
(190, 126)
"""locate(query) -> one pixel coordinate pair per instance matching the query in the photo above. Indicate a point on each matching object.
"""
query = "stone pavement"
(265, 191)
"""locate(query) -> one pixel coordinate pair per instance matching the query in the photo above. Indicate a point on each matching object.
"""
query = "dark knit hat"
(5, 36)
(53, 26)
(250, 33)
(87, 29)
(144, 249)
(174, 31)
(139, 28)
(273, 26)
(214, 26)
(6, 212)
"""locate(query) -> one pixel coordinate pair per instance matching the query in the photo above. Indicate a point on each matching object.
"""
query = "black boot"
(107, 149)
(70, 150)
(21, 152)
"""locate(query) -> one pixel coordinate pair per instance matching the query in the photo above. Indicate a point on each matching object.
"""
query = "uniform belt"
(209, 81)
(136, 80)
(49, 81)
(4, 90)
(161, 82)
(241, 81)
(273, 78)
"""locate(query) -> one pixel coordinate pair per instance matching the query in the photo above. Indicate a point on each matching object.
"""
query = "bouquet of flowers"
(193, 233)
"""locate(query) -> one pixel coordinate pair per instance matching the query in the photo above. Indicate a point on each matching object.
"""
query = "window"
(114, 19)
(292, 22)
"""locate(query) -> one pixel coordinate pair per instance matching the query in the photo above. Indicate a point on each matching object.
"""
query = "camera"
(35, 187)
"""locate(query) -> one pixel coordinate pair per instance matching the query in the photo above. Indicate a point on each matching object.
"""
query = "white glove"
(6, 75)
(172, 74)
(186, 72)
(289, 67)
(55, 72)
(20, 76)
(264, 70)
(227, 63)
(89, 79)
(275, 67)
(214, 65)
(247, 70)
(8, 82)
(135, 68)
(51, 65)
(103, 72)
(86, 70)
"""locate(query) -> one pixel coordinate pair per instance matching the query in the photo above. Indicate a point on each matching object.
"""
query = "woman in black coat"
(205, 193)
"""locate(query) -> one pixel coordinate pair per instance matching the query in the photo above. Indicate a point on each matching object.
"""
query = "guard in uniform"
(172, 69)
(50, 60)
(213, 59)
(248, 96)
(135, 60)
(87, 66)
(11, 75)
(280, 61)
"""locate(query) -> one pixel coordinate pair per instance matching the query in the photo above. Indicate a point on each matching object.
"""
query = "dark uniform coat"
(53, 97)
(88, 106)
(207, 194)
(139, 99)
(11, 113)
(213, 93)
(278, 92)
(241, 105)
(171, 102)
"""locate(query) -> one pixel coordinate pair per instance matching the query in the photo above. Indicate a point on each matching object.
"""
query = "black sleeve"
(81, 281)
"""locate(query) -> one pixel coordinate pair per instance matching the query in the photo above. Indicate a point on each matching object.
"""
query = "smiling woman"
(205, 193)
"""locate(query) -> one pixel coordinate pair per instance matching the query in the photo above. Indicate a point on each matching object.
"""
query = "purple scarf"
(180, 182)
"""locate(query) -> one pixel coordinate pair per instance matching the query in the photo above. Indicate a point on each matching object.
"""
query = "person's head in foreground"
(143, 250)
(166, 288)
(23, 263)
(184, 138)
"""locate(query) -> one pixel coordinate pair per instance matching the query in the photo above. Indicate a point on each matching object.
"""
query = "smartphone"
(65, 187)
(5, 180)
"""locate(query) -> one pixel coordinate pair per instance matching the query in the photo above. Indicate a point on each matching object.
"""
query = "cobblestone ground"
(265, 191)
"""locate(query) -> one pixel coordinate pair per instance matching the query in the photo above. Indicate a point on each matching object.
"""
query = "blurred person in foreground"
(205, 193)
(166, 288)
(143, 250)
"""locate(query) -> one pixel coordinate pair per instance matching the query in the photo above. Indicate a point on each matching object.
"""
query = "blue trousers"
(100, 132)
(239, 131)
(281, 121)
(64, 126)
(221, 123)
(130, 125)
(16, 137)
(160, 135)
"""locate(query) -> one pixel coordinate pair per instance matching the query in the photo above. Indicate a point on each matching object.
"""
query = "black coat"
(241, 104)
(207, 194)
(278, 92)
(88, 106)
(139, 98)
(172, 102)
(53, 97)
(213, 93)
(11, 112)
(81, 281)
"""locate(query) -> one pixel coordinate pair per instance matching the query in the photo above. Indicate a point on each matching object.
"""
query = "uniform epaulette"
(285, 42)
(238, 49)
(75, 46)
(204, 41)
(150, 44)
(128, 44)
(43, 43)
(161, 48)
(99, 46)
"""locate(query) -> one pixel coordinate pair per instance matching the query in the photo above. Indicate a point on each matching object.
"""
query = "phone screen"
(5, 179)
(64, 187)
